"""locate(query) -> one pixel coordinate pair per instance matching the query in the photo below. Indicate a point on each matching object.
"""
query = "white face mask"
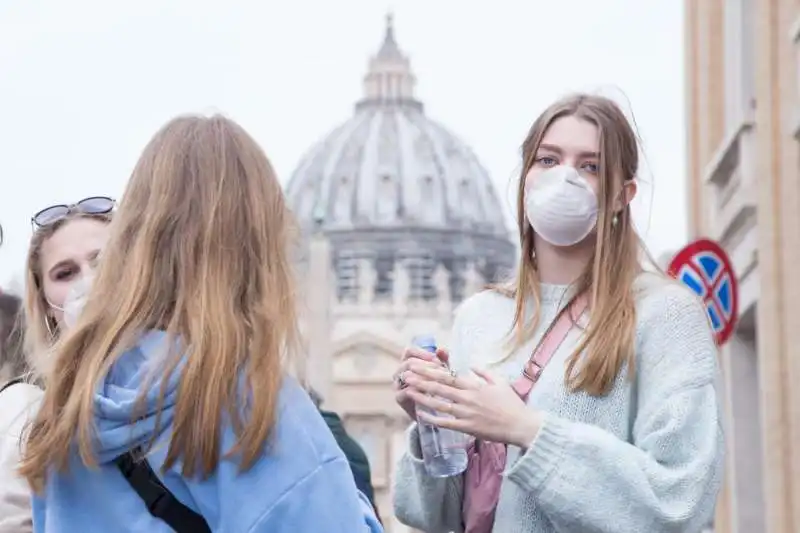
(76, 299)
(561, 206)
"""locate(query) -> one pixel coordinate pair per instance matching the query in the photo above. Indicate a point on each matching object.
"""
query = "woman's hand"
(476, 405)
(423, 357)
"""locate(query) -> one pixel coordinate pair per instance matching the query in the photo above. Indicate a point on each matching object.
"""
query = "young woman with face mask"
(63, 251)
(620, 430)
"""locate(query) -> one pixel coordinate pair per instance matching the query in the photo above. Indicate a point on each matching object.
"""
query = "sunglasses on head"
(94, 205)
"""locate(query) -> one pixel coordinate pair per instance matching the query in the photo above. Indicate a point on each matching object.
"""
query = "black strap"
(12, 382)
(159, 500)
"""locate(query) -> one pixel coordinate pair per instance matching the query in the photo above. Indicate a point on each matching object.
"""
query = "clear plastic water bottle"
(443, 450)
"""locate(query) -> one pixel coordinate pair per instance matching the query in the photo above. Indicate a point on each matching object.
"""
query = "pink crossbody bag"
(487, 460)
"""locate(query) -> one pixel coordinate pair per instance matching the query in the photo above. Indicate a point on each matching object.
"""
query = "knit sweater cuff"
(535, 465)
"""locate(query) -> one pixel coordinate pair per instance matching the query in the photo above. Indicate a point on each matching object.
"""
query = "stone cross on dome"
(389, 77)
(389, 49)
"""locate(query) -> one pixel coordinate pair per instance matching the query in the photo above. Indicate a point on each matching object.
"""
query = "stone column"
(367, 278)
(705, 87)
(402, 287)
(779, 257)
(441, 280)
(319, 287)
(744, 465)
(473, 281)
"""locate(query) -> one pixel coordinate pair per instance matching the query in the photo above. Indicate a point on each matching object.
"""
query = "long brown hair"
(609, 277)
(199, 249)
(41, 329)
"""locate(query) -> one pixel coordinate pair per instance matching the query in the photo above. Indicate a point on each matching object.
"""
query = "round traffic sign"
(705, 268)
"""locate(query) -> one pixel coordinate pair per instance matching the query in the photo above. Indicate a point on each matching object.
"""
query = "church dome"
(391, 184)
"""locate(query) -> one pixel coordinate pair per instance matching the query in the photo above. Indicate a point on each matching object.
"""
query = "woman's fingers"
(406, 365)
(428, 388)
(402, 396)
(438, 403)
(418, 355)
(412, 352)
(441, 375)
(442, 356)
(446, 422)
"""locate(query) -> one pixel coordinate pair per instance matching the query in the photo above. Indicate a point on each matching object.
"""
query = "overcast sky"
(85, 83)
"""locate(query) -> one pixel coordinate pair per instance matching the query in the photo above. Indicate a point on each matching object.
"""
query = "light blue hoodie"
(302, 485)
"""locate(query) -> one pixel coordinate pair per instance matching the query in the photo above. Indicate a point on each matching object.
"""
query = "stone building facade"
(401, 222)
(743, 99)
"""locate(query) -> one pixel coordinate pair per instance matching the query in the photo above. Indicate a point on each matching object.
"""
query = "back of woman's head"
(199, 249)
(199, 244)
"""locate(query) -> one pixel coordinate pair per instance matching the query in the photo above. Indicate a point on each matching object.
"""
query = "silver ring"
(401, 381)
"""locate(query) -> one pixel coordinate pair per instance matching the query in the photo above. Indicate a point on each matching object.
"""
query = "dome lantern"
(389, 78)
(396, 190)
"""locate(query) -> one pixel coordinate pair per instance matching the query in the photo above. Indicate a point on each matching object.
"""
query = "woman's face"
(575, 142)
(70, 253)
(572, 142)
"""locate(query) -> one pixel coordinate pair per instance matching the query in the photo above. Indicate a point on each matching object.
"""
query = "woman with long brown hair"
(178, 366)
(592, 398)
(63, 250)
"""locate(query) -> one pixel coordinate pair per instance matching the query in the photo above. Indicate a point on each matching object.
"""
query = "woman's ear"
(626, 196)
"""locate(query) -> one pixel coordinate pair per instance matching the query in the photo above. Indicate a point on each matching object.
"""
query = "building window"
(429, 200)
(386, 209)
(343, 202)
(384, 285)
(420, 273)
(796, 43)
(346, 277)
(739, 24)
(468, 204)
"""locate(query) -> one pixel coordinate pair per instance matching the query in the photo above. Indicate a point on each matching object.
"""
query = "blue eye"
(591, 167)
(547, 161)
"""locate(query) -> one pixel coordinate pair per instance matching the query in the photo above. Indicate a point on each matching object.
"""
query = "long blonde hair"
(41, 329)
(199, 249)
(609, 277)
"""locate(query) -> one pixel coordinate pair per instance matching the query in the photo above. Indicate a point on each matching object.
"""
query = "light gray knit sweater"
(646, 458)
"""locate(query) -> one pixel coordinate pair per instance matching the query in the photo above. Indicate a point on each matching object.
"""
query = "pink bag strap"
(552, 339)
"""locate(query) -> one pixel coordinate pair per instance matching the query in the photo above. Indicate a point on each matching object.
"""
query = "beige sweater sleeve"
(424, 502)
(17, 404)
(421, 501)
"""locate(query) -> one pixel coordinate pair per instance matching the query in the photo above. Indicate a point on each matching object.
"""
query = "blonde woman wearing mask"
(612, 424)
(63, 249)
(179, 364)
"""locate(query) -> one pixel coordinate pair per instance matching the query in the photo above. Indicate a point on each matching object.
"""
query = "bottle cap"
(427, 342)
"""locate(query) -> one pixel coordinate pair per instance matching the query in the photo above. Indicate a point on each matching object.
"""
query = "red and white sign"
(705, 268)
